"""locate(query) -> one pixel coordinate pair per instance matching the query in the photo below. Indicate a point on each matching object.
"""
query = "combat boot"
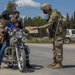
(51, 65)
(57, 66)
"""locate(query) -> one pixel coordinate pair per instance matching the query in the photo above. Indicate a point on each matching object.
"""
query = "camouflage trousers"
(58, 47)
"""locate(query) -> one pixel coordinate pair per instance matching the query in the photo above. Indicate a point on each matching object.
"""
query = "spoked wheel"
(22, 61)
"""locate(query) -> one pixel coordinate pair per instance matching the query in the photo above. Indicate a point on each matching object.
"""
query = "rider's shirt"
(13, 28)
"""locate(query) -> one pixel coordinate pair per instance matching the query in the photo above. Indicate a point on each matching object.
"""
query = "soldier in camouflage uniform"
(1, 31)
(1, 36)
(56, 28)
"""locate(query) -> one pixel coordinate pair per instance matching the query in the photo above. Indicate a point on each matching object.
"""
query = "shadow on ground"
(69, 66)
(27, 70)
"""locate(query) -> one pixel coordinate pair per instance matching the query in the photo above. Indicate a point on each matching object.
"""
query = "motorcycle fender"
(21, 47)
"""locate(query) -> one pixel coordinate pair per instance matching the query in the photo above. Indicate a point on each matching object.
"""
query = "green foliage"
(39, 40)
(36, 21)
(11, 6)
(71, 21)
(68, 19)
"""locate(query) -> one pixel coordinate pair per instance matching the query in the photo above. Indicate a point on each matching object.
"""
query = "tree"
(68, 20)
(74, 21)
(38, 21)
(11, 6)
(71, 22)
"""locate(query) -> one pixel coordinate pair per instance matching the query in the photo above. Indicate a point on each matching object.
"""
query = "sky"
(31, 8)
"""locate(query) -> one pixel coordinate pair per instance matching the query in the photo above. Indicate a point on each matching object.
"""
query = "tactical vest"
(59, 24)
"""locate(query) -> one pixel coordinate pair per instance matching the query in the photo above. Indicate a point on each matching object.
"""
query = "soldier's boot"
(57, 66)
(51, 65)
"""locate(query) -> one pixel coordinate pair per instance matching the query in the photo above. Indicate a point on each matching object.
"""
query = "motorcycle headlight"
(24, 39)
(13, 39)
(19, 34)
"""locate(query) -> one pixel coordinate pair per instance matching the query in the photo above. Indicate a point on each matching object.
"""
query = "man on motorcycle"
(15, 26)
(8, 23)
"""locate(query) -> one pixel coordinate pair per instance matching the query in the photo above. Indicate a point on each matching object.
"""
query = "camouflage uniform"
(1, 31)
(1, 36)
(57, 32)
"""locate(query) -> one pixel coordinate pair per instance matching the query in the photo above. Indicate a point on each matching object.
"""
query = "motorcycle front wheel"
(22, 61)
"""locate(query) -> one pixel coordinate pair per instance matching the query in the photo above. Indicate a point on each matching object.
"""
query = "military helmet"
(46, 6)
(5, 14)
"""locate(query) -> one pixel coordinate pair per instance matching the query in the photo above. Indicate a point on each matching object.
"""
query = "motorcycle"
(15, 53)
